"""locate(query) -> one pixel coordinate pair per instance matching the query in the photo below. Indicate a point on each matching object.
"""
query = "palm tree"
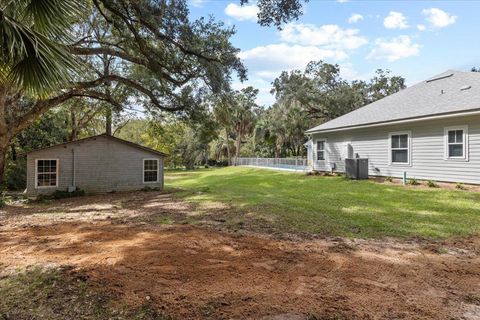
(31, 37)
(34, 61)
(243, 115)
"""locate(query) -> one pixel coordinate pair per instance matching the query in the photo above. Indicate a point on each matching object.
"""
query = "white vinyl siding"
(427, 150)
(46, 173)
(456, 143)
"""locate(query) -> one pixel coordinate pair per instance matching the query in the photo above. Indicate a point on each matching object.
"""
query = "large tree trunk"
(4, 133)
(229, 155)
(108, 115)
(73, 131)
(108, 122)
(3, 157)
(238, 142)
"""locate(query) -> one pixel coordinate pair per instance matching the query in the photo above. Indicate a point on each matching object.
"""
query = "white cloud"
(242, 13)
(395, 20)
(438, 18)
(328, 36)
(198, 3)
(421, 27)
(268, 61)
(264, 96)
(355, 17)
(342, 1)
(394, 49)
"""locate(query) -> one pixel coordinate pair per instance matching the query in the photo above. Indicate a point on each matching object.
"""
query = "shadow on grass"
(336, 206)
(62, 293)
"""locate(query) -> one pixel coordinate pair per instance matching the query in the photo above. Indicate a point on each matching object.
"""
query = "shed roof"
(104, 135)
(447, 93)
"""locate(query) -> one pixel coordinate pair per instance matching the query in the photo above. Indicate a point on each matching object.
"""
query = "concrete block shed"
(99, 163)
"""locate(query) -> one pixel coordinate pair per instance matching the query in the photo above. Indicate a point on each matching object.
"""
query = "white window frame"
(324, 149)
(158, 170)
(465, 143)
(56, 173)
(409, 148)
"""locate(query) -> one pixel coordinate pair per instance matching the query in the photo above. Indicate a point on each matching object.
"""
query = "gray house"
(96, 164)
(430, 131)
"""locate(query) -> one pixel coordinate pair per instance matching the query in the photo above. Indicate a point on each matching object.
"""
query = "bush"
(460, 186)
(215, 163)
(148, 189)
(2, 202)
(389, 179)
(16, 174)
(413, 182)
(432, 184)
(61, 194)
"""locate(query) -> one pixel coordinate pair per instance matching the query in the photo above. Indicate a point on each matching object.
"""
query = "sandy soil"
(196, 272)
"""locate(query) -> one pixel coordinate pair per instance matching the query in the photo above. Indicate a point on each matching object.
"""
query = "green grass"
(334, 206)
(38, 293)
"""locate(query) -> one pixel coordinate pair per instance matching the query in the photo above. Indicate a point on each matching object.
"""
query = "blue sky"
(414, 39)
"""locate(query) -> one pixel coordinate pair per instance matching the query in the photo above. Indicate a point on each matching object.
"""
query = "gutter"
(406, 120)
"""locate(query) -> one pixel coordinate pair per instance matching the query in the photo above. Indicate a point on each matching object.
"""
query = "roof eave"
(135, 145)
(398, 121)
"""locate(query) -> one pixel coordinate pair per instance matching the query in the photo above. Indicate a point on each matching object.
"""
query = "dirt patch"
(197, 272)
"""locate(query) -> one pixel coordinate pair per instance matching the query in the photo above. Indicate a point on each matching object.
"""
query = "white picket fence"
(282, 163)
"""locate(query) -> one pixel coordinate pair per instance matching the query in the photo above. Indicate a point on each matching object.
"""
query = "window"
(456, 143)
(46, 173)
(400, 148)
(321, 150)
(150, 170)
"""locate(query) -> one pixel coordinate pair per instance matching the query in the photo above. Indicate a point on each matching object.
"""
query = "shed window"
(321, 150)
(46, 173)
(400, 148)
(456, 143)
(150, 170)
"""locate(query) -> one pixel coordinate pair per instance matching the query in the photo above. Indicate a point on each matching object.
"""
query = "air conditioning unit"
(356, 168)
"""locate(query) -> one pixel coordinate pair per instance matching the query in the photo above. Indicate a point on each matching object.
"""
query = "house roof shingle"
(447, 93)
(132, 144)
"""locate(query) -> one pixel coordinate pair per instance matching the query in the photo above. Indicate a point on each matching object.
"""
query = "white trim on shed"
(57, 165)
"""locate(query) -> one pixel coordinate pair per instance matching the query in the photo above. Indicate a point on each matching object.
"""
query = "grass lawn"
(333, 205)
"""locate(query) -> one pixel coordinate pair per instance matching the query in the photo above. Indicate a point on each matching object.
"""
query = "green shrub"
(60, 194)
(148, 189)
(389, 179)
(327, 174)
(413, 182)
(2, 202)
(15, 174)
(432, 184)
(460, 186)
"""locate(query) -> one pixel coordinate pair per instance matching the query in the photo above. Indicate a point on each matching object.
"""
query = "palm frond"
(53, 17)
(31, 60)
